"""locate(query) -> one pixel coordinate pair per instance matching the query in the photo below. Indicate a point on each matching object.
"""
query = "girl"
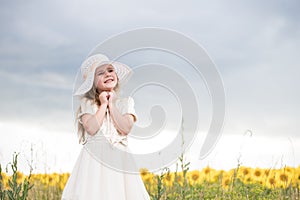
(103, 120)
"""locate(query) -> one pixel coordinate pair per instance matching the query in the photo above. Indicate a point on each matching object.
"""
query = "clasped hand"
(107, 98)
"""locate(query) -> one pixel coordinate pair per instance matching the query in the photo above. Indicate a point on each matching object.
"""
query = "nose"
(107, 72)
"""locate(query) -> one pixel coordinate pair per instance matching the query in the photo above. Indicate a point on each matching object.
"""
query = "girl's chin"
(108, 89)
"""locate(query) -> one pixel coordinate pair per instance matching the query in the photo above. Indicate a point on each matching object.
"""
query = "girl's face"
(105, 78)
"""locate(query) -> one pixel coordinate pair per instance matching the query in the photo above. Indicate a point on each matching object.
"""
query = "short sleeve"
(127, 107)
(86, 107)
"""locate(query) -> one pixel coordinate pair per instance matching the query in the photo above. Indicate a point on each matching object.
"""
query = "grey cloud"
(254, 44)
(42, 79)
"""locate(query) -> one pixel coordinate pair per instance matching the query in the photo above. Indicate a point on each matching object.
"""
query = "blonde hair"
(93, 96)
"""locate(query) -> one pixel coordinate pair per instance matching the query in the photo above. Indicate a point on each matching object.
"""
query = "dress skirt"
(93, 180)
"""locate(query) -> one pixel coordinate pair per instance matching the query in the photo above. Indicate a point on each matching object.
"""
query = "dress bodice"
(107, 129)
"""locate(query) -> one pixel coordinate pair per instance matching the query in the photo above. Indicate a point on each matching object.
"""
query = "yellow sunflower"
(244, 173)
(178, 178)
(144, 171)
(194, 177)
(257, 175)
(271, 182)
(168, 179)
(208, 174)
(226, 180)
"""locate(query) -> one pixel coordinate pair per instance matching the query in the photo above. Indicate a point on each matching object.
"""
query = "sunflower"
(296, 178)
(283, 179)
(244, 172)
(257, 175)
(194, 177)
(51, 180)
(4, 180)
(144, 171)
(168, 179)
(149, 181)
(178, 178)
(20, 177)
(208, 174)
(44, 179)
(63, 180)
(289, 170)
(207, 170)
(271, 182)
(226, 180)
(267, 172)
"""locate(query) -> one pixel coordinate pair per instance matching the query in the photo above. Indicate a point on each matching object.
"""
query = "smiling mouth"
(109, 80)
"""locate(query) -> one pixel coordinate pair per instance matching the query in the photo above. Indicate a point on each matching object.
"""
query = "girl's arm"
(123, 123)
(92, 123)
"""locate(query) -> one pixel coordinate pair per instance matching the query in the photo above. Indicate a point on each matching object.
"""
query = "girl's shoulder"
(88, 104)
(125, 100)
(126, 105)
(85, 100)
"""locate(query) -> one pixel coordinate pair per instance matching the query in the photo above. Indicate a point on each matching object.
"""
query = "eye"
(100, 73)
(110, 70)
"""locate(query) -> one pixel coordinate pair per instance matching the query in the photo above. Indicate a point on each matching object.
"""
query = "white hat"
(89, 67)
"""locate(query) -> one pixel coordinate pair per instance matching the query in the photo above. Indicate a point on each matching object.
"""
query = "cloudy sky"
(254, 45)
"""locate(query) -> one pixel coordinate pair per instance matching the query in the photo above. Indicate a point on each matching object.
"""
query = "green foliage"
(2, 191)
(184, 169)
(160, 187)
(179, 188)
(17, 188)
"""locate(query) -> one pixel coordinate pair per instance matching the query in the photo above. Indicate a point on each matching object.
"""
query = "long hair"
(93, 96)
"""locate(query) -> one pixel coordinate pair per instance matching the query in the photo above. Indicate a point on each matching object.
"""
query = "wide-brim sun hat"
(89, 66)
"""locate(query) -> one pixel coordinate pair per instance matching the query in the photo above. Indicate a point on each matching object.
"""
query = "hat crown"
(88, 63)
(89, 67)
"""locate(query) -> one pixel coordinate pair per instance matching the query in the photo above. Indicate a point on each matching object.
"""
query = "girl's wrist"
(111, 105)
(103, 105)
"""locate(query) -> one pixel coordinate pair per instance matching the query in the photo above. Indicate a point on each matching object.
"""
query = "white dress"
(94, 177)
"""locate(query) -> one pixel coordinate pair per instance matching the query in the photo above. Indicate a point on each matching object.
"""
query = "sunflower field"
(207, 183)
(239, 183)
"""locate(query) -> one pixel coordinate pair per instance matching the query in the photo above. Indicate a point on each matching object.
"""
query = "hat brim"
(123, 73)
